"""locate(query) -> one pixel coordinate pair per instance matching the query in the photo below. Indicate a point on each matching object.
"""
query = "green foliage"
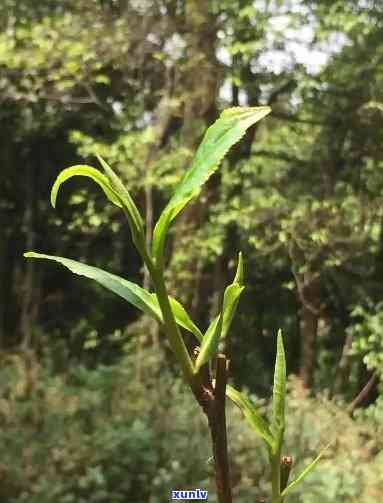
(117, 433)
(89, 172)
(56, 45)
(279, 389)
(127, 203)
(86, 432)
(304, 201)
(273, 434)
(303, 474)
(344, 470)
(218, 139)
(367, 335)
(251, 414)
(220, 326)
(114, 191)
(131, 292)
(225, 132)
(129, 153)
(209, 344)
(307, 194)
(231, 298)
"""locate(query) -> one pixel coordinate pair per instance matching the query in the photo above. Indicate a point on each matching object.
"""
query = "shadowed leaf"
(251, 414)
(209, 344)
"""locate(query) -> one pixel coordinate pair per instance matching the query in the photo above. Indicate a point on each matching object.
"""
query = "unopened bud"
(286, 465)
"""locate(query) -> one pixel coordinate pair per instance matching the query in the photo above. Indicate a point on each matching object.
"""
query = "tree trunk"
(308, 326)
(309, 288)
(343, 369)
(2, 287)
(28, 280)
(200, 85)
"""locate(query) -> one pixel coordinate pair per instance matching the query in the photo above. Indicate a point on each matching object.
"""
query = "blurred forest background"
(92, 408)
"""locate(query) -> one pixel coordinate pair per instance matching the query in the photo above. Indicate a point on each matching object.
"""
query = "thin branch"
(94, 98)
(296, 119)
(362, 395)
(282, 156)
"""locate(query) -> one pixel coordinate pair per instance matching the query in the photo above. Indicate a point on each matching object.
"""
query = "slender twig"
(362, 395)
(217, 425)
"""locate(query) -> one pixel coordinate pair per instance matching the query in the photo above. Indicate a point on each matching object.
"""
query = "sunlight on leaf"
(279, 389)
(218, 139)
(140, 298)
(124, 196)
(89, 172)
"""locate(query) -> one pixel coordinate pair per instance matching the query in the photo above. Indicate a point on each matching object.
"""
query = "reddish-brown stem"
(217, 424)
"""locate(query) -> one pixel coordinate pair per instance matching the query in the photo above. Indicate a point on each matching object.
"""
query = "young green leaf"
(125, 198)
(251, 414)
(134, 294)
(230, 303)
(239, 273)
(305, 472)
(279, 389)
(209, 344)
(183, 319)
(129, 291)
(220, 326)
(218, 139)
(115, 192)
(231, 298)
(88, 171)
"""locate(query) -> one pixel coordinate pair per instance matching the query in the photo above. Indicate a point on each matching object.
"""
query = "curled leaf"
(89, 172)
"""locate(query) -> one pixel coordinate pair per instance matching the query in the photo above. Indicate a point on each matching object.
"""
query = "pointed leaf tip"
(279, 389)
(252, 415)
(306, 471)
(239, 273)
(228, 129)
(220, 326)
(134, 294)
(256, 113)
(129, 291)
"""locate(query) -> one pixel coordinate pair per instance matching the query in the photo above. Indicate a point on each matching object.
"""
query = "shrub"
(122, 433)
